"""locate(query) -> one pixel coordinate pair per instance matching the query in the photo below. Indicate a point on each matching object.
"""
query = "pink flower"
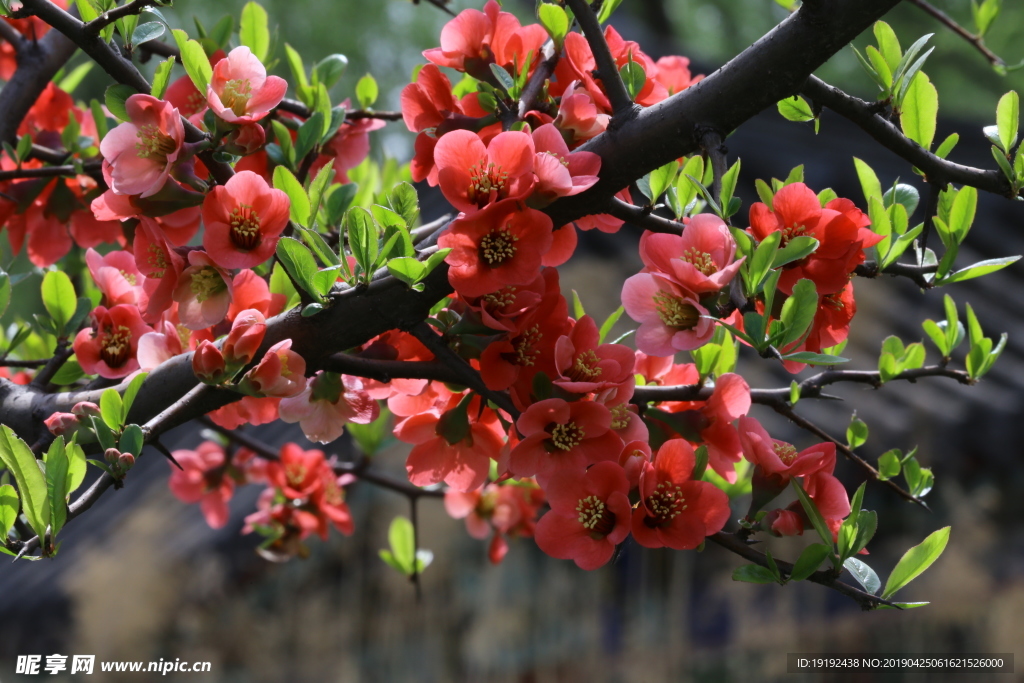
(159, 346)
(117, 277)
(240, 90)
(208, 363)
(671, 319)
(281, 373)
(701, 260)
(202, 480)
(327, 404)
(142, 151)
(559, 172)
(585, 366)
(674, 74)
(578, 118)
(590, 515)
(159, 264)
(203, 292)
(472, 175)
(349, 146)
(109, 347)
(245, 337)
(776, 457)
(244, 219)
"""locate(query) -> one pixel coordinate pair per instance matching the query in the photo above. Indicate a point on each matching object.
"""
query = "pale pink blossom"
(327, 404)
(240, 90)
(671, 318)
(141, 152)
(203, 292)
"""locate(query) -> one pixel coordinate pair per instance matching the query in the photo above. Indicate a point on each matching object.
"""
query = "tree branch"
(822, 577)
(977, 41)
(38, 62)
(387, 370)
(642, 217)
(110, 16)
(12, 36)
(607, 70)
(916, 273)
(936, 169)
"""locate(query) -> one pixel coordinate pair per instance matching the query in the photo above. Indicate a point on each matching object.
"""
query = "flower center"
(153, 143)
(157, 261)
(245, 228)
(236, 95)
(785, 452)
(526, 351)
(834, 301)
(676, 312)
(566, 437)
(621, 417)
(116, 346)
(129, 278)
(560, 158)
(506, 296)
(497, 247)
(664, 505)
(333, 495)
(207, 282)
(485, 178)
(701, 260)
(595, 517)
(585, 369)
(792, 231)
(295, 473)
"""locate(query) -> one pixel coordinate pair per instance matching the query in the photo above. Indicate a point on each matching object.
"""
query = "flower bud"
(208, 363)
(245, 337)
(111, 455)
(86, 409)
(246, 139)
(62, 424)
(126, 461)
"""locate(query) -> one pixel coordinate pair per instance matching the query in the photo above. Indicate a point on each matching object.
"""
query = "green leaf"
(915, 561)
(798, 311)
(111, 408)
(131, 440)
(58, 298)
(797, 248)
(405, 203)
(864, 574)
(19, 460)
(407, 269)
(753, 573)
(9, 506)
(634, 78)
(868, 180)
(856, 433)
(555, 21)
(253, 31)
(286, 181)
(57, 484)
(947, 146)
(162, 77)
(984, 14)
(889, 464)
(317, 188)
(194, 59)
(795, 108)
(660, 179)
(880, 66)
(920, 110)
(817, 521)
(74, 79)
(5, 291)
(609, 323)
(503, 78)
(76, 465)
(401, 537)
(115, 97)
(888, 44)
(299, 263)
(130, 393)
(814, 358)
(366, 91)
(961, 214)
(980, 268)
(606, 10)
(809, 561)
(762, 260)
(144, 33)
(362, 238)
(330, 69)
(1008, 119)
(729, 180)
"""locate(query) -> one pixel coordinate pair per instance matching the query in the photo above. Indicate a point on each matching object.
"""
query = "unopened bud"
(61, 424)
(245, 337)
(247, 139)
(111, 455)
(86, 409)
(208, 363)
(126, 461)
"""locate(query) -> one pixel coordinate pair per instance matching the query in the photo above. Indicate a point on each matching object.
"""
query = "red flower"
(501, 245)
(702, 260)
(240, 91)
(675, 511)
(560, 436)
(671, 318)
(244, 219)
(560, 173)
(590, 515)
(776, 457)
(674, 74)
(202, 480)
(280, 374)
(584, 366)
(141, 152)
(297, 472)
(472, 175)
(109, 348)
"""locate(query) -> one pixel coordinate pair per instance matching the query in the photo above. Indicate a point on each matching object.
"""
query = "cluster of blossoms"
(573, 433)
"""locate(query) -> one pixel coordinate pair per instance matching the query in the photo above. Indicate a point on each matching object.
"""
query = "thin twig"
(918, 274)
(440, 4)
(60, 357)
(42, 172)
(110, 16)
(607, 70)
(822, 577)
(535, 86)
(977, 41)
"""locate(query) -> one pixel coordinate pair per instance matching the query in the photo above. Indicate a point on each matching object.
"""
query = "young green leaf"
(795, 108)
(1008, 119)
(20, 461)
(57, 484)
(194, 59)
(366, 91)
(162, 77)
(115, 97)
(920, 110)
(112, 408)
(299, 263)
(286, 181)
(809, 561)
(9, 507)
(59, 298)
(555, 21)
(253, 31)
(753, 573)
(864, 574)
(915, 561)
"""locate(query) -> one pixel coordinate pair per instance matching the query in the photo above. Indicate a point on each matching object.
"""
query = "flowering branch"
(607, 70)
(975, 40)
(823, 577)
(937, 169)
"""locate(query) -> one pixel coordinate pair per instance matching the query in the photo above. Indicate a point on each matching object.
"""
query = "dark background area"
(142, 577)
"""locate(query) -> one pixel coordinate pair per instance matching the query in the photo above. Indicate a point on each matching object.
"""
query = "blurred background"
(142, 577)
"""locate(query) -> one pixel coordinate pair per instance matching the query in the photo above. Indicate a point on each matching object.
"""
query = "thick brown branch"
(935, 168)
(38, 62)
(641, 217)
(387, 370)
(822, 577)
